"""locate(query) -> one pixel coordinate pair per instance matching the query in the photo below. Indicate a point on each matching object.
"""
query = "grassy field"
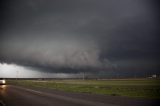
(143, 88)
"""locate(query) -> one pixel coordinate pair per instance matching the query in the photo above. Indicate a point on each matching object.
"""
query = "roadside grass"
(143, 88)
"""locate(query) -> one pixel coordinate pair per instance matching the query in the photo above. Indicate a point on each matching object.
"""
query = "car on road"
(2, 81)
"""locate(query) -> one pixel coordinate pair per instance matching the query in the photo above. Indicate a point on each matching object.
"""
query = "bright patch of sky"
(16, 71)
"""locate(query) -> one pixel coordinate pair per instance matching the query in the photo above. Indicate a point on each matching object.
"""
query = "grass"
(144, 88)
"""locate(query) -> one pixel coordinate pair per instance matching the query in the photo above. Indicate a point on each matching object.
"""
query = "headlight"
(3, 81)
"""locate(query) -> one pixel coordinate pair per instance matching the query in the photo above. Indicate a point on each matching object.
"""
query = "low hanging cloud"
(80, 35)
(55, 53)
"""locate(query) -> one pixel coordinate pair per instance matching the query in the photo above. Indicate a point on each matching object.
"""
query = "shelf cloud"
(77, 35)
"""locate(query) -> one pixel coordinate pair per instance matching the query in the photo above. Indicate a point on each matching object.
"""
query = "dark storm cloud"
(80, 34)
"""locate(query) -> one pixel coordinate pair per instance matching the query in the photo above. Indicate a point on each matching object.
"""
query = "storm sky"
(70, 36)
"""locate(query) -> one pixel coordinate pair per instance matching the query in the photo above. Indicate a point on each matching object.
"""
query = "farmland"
(141, 88)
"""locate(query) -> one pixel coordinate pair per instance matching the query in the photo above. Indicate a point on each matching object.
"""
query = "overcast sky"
(71, 36)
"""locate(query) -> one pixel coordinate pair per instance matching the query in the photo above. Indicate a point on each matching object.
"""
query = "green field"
(143, 88)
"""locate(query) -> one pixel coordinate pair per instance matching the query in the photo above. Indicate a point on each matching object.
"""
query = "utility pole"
(17, 74)
(83, 75)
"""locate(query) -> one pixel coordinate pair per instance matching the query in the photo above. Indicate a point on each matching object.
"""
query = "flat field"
(142, 88)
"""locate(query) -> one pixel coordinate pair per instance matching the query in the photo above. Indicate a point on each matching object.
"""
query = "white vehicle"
(2, 81)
